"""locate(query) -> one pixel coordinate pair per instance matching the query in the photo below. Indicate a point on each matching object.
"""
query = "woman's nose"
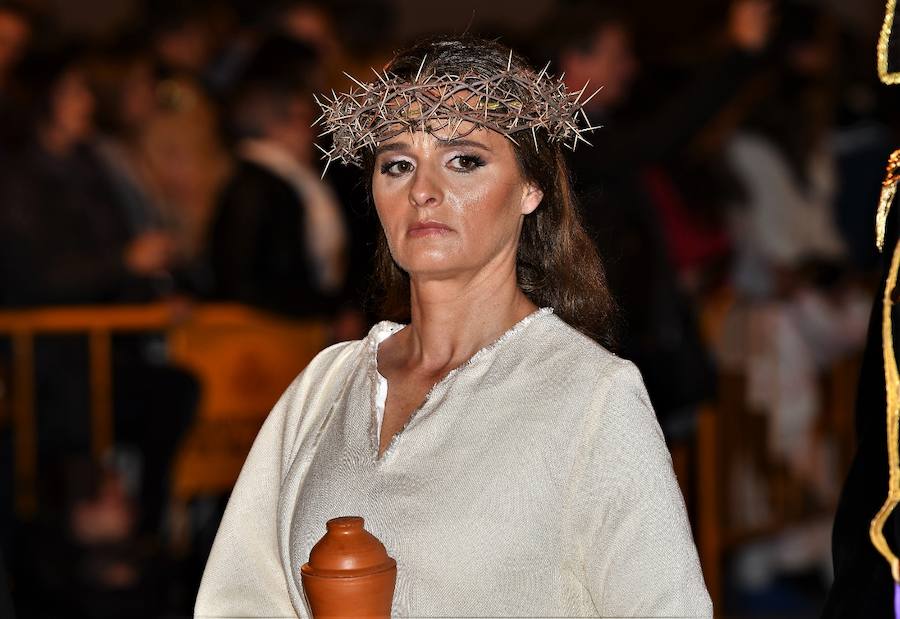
(424, 191)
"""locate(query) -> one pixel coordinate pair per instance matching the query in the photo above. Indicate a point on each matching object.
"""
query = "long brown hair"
(557, 263)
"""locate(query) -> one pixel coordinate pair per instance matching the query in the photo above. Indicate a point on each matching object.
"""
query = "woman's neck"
(452, 320)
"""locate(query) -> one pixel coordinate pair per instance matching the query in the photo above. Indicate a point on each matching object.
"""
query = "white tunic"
(533, 481)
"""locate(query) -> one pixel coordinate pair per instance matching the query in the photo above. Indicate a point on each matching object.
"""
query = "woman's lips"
(428, 228)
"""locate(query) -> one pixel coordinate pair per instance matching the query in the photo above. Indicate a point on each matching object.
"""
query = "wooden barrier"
(243, 357)
(244, 362)
(732, 443)
(732, 440)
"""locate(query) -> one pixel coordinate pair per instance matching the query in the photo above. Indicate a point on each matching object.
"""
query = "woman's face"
(451, 208)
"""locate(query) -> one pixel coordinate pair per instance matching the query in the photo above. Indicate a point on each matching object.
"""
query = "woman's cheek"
(467, 195)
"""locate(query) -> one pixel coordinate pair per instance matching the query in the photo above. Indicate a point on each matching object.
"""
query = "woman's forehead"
(447, 136)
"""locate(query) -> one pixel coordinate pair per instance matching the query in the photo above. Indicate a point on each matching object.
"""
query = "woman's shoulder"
(318, 384)
(335, 354)
(558, 354)
(611, 388)
(564, 346)
(343, 356)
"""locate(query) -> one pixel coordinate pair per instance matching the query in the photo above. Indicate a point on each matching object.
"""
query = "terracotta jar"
(349, 573)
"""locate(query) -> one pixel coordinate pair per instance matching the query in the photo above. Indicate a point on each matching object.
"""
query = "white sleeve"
(638, 553)
(244, 575)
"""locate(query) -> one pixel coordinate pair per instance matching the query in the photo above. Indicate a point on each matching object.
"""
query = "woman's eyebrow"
(393, 147)
(454, 143)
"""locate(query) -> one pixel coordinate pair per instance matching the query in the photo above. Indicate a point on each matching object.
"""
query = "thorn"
(511, 139)
(534, 135)
(509, 62)
(581, 92)
(419, 72)
(578, 137)
(543, 71)
(327, 163)
(585, 102)
(378, 75)
(358, 83)
(455, 129)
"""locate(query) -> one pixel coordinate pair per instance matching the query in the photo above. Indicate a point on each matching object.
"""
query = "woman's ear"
(531, 198)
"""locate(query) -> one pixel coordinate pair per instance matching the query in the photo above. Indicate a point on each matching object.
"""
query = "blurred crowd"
(731, 193)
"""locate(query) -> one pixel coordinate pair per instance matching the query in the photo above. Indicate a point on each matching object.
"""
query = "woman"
(511, 464)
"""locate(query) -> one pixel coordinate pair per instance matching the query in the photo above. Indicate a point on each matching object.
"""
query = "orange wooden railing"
(99, 324)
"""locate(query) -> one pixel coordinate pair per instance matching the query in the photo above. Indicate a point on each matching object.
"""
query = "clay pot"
(349, 573)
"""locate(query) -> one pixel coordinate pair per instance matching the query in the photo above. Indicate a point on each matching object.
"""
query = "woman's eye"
(466, 163)
(396, 168)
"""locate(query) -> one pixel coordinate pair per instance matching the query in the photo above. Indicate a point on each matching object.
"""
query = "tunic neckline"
(378, 383)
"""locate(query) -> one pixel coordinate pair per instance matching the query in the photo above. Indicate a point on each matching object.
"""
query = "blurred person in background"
(343, 35)
(182, 36)
(796, 312)
(308, 21)
(593, 43)
(278, 239)
(130, 117)
(782, 157)
(352, 36)
(65, 238)
(790, 260)
(15, 32)
(182, 142)
(347, 35)
(61, 217)
(124, 84)
(183, 149)
(314, 24)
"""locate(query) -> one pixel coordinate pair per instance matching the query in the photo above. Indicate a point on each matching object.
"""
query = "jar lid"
(347, 550)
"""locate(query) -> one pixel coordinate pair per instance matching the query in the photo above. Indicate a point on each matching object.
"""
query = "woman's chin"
(425, 270)
(430, 259)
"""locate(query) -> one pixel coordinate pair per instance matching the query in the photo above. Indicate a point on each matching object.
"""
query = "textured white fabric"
(533, 481)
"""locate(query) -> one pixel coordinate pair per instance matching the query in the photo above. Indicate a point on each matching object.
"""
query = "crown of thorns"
(509, 102)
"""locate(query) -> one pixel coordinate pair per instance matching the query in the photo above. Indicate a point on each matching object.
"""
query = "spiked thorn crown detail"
(513, 102)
